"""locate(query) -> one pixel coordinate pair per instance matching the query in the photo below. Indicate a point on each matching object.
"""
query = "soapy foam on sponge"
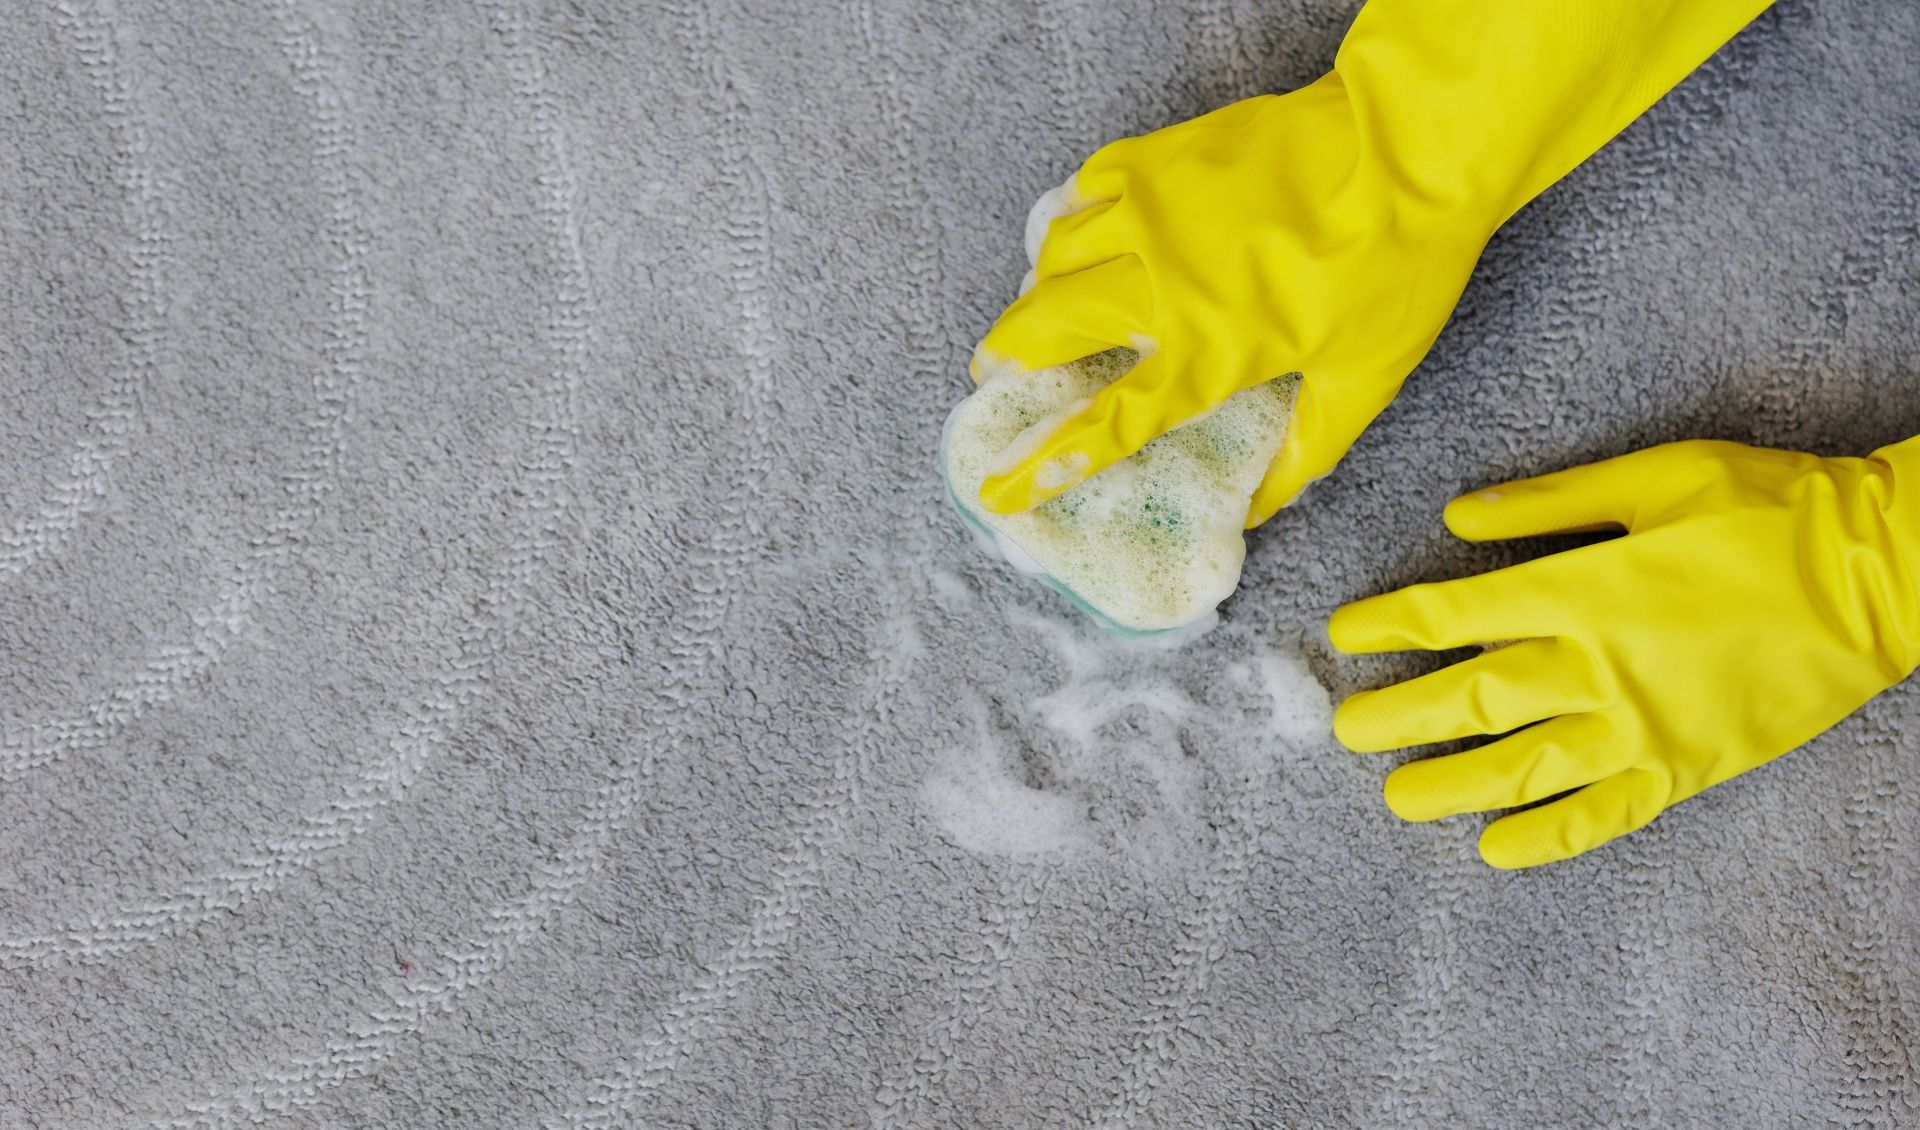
(1153, 542)
(1150, 544)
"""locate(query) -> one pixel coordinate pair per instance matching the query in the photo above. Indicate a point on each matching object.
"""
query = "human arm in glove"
(1328, 231)
(1756, 598)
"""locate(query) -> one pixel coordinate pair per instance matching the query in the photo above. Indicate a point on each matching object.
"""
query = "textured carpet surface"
(482, 643)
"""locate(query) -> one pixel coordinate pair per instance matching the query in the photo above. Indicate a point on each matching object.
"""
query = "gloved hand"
(1328, 231)
(1757, 598)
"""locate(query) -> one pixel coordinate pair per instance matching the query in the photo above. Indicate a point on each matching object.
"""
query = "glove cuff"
(1481, 104)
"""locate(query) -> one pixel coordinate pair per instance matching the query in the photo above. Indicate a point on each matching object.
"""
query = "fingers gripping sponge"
(1153, 542)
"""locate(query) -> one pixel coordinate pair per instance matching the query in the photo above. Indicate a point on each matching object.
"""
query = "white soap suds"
(1299, 704)
(948, 584)
(1078, 710)
(1063, 471)
(989, 814)
(1017, 557)
(1127, 747)
(1151, 543)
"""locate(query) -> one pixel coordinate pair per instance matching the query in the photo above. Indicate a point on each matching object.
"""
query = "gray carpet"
(484, 644)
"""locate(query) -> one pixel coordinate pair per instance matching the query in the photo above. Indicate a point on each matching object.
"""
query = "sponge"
(1152, 543)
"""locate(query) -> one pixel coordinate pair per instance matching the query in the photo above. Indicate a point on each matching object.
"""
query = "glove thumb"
(1329, 414)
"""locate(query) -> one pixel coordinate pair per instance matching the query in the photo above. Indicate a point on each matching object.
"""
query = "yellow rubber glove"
(1328, 231)
(1757, 598)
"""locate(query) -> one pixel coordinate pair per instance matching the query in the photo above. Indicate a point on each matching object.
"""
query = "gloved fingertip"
(1275, 493)
(986, 364)
(1350, 725)
(1339, 635)
(995, 353)
(1403, 800)
(1053, 203)
(1466, 516)
(1360, 628)
(1291, 473)
(1011, 493)
(1420, 792)
(1510, 853)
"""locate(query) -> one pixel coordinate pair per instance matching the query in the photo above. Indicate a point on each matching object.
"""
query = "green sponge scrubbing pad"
(1152, 543)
